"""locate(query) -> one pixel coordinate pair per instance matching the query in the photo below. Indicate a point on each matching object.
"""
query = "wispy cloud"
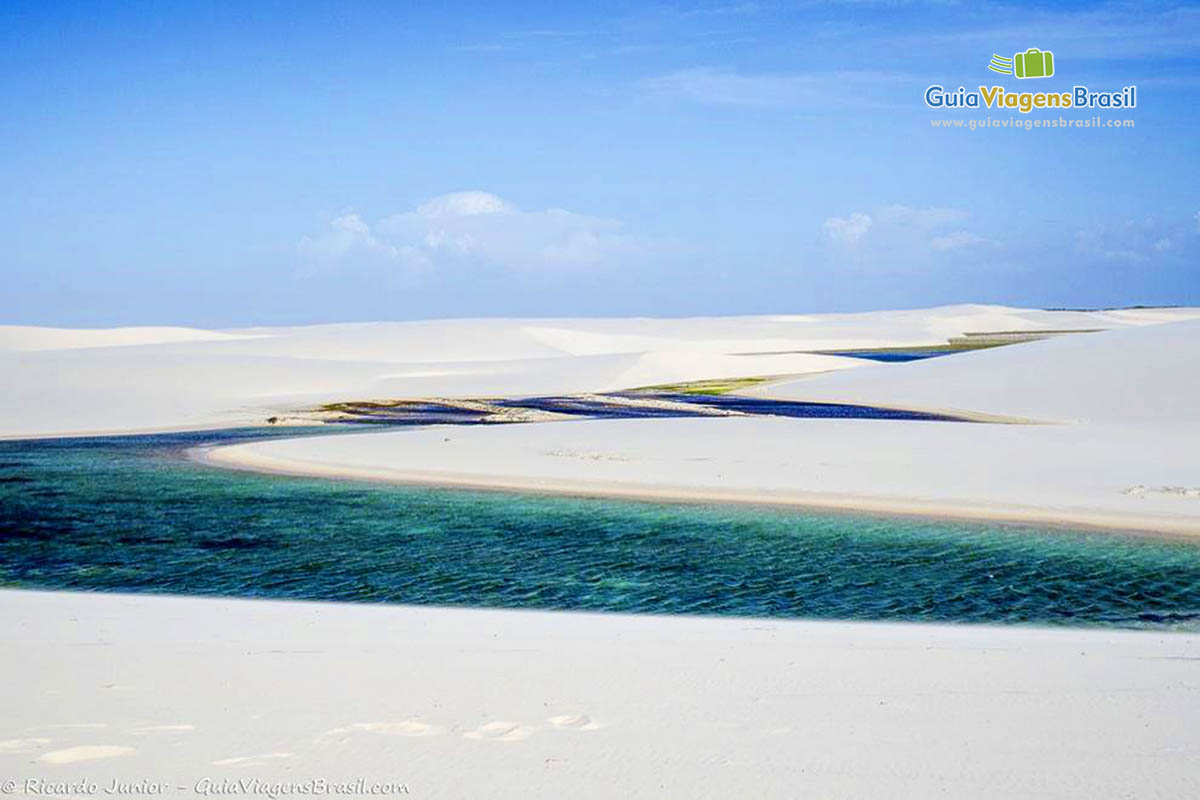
(545, 33)
(1139, 241)
(523, 40)
(920, 218)
(809, 89)
(484, 47)
(896, 237)
(957, 239)
(723, 10)
(480, 230)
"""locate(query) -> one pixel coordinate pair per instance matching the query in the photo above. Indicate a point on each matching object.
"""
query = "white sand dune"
(129, 379)
(23, 338)
(460, 703)
(1119, 449)
(98, 391)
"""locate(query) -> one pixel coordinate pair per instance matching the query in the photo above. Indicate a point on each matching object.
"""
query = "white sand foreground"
(1115, 446)
(474, 703)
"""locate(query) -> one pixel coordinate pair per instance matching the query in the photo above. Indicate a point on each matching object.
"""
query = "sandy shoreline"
(249, 456)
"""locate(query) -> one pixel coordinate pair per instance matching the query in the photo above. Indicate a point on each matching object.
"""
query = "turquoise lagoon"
(135, 514)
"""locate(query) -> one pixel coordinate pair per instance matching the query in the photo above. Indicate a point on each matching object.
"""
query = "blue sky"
(206, 164)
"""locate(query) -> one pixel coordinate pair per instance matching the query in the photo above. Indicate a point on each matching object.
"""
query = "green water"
(132, 514)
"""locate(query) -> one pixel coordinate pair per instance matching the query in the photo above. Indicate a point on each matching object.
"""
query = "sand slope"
(1149, 374)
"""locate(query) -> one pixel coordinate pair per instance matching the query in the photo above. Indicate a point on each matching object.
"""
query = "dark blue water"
(610, 407)
(763, 406)
(132, 514)
(600, 409)
(797, 408)
(892, 356)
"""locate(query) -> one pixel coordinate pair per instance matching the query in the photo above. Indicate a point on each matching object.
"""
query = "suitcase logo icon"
(1033, 63)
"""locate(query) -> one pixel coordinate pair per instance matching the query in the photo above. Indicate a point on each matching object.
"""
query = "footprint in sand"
(73, 726)
(87, 752)
(16, 746)
(501, 731)
(260, 760)
(161, 729)
(574, 722)
(404, 727)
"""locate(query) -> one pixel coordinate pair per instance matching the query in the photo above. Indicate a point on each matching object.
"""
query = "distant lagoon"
(892, 355)
(133, 514)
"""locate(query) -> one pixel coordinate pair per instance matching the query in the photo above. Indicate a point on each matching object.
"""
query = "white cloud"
(348, 237)
(848, 230)
(1138, 241)
(463, 204)
(896, 236)
(479, 229)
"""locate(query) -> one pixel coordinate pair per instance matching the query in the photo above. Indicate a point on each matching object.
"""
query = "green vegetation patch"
(954, 347)
(719, 386)
(359, 406)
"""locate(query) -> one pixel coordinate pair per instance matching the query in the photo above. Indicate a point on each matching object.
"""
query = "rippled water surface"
(132, 514)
